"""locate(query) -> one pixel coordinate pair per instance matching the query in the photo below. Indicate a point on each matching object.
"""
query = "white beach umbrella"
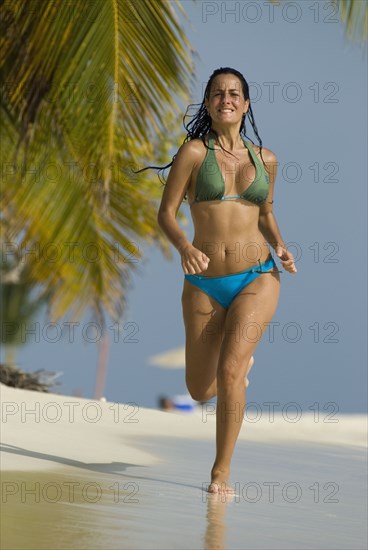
(171, 359)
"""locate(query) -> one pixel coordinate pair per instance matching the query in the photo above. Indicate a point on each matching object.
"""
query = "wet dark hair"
(201, 122)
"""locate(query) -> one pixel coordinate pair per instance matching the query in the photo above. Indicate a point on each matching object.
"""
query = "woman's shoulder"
(267, 154)
(193, 148)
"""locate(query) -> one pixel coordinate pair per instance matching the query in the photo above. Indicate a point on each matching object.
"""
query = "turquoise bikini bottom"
(224, 289)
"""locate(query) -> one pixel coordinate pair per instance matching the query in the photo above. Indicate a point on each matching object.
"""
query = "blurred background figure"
(165, 403)
(178, 402)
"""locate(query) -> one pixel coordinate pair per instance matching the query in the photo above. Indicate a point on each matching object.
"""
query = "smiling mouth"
(226, 110)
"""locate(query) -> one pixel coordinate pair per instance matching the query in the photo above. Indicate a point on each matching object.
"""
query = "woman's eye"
(217, 94)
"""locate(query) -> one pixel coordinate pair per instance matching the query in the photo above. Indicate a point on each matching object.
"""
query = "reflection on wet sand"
(215, 533)
(58, 511)
(109, 505)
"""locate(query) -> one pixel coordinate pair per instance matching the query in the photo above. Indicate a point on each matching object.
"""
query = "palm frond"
(88, 93)
(354, 16)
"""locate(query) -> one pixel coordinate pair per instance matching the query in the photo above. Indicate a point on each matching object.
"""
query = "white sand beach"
(79, 473)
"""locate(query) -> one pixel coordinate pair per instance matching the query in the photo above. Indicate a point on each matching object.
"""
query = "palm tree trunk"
(102, 366)
(9, 359)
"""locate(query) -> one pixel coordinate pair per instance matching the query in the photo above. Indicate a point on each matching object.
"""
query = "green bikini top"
(210, 185)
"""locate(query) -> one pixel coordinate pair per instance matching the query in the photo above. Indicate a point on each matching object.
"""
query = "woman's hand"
(193, 260)
(287, 259)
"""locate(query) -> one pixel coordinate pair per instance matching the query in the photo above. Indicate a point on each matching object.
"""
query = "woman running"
(231, 282)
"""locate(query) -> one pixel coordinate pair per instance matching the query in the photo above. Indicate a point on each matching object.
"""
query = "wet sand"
(118, 484)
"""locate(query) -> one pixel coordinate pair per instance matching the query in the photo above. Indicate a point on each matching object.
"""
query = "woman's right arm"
(193, 260)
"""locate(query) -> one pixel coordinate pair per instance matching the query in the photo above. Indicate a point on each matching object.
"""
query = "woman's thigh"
(246, 321)
(204, 320)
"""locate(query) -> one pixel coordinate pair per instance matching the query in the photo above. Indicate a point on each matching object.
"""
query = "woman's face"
(226, 103)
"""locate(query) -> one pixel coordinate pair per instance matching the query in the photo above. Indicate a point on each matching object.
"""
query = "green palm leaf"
(90, 90)
(354, 14)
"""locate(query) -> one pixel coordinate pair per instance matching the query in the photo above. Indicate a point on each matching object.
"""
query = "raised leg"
(204, 320)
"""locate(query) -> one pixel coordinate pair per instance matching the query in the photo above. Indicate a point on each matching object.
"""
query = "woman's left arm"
(267, 222)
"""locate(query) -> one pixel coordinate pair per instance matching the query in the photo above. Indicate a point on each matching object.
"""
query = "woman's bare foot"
(250, 365)
(220, 488)
(219, 482)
